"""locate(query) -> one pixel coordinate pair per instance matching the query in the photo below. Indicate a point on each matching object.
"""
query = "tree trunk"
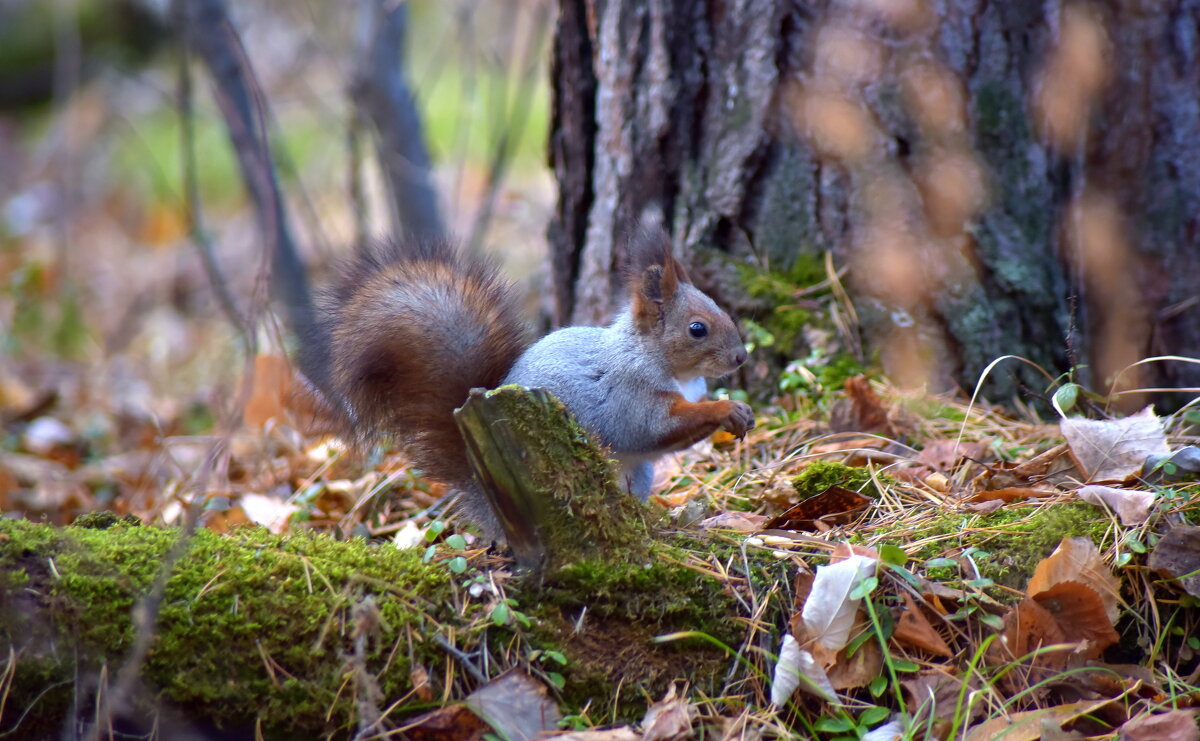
(997, 178)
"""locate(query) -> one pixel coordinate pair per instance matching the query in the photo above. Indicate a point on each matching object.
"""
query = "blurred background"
(951, 194)
(127, 234)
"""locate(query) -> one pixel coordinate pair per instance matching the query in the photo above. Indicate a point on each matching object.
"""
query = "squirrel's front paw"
(739, 420)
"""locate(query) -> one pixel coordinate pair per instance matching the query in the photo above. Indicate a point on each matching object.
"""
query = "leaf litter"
(915, 620)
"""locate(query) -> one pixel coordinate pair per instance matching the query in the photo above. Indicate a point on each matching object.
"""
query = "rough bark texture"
(683, 107)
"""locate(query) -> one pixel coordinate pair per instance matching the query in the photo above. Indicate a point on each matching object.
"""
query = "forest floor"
(955, 571)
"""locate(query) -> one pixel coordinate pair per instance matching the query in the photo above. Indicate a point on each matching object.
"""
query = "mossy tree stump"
(550, 486)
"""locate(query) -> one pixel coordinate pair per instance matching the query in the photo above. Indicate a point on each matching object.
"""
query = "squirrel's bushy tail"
(412, 328)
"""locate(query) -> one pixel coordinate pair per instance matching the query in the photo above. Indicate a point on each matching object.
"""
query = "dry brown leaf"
(1077, 559)
(1114, 449)
(1176, 725)
(1009, 494)
(936, 693)
(419, 678)
(862, 411)
(845, 550)
(914, 629)
(668, 719)
(1080, 614)
(1131, 505)
(1029, 725)
(985, 508)
(1177, 557)
(845, 443)
(451, 723)
(516, 705)
(746, 522)
(1053, 467)
(834, 506)
(946, 455)
(850, 672)
(1028, 627)
(271, 380)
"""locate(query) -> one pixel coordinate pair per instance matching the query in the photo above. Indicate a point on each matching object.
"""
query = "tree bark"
(1081, 255)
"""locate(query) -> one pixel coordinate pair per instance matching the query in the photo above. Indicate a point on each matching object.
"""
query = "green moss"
(820, 475)
(233, 606)
(1015, 539)
(552, 476)
(255, 628)
(606, 617)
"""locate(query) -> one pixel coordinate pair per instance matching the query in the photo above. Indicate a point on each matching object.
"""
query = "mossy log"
(551, 488)
(255, 631)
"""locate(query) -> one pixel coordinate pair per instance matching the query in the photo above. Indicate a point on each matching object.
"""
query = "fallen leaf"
(419, 678)
(1131, 505)
(1028, 725)
(985, 508)
(857, 451)
(746, 522)
(946, 455)
(451, 723)
(271, 379)
(1077, 559)
(797, 668)
(1047, 467)
(850, 671)
(834, 506)
(843, 550)
(272, 513)
(1114, 449)
(1009, 494)
(1177, 557)
(1029, 627)
(1080, 614)
(1180, 465)
(278, 392)
(914, 629)
(861, 411)
(936, 693)
(829, 612)
(516, 706)
(1175, 725)
(668, 719)
(609, 734)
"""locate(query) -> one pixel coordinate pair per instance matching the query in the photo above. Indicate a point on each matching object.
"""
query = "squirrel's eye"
(698, 330)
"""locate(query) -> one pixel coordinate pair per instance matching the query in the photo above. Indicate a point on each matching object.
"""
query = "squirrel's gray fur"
(413, 327)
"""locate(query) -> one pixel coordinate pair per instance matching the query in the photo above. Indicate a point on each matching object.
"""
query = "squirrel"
(413, 326)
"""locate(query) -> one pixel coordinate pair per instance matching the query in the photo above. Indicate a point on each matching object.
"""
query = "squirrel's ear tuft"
(649, 244)
(647, 298)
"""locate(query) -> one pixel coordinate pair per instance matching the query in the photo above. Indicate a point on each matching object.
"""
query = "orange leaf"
(1010, 494)
(864, 412)
(1027, 627)
(1078, 560)
(272, 377)
(913, 628)
(1080, 614)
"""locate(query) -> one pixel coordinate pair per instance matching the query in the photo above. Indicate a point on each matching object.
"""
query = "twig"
(514, 127)
(207, 28)
(382, 95)
(145, 612)
(192, 212)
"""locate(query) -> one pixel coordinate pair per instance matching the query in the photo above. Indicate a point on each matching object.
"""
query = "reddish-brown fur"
(389, 318)
(695, 420)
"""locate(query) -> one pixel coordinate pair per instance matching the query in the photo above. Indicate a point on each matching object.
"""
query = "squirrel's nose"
(740, 357)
